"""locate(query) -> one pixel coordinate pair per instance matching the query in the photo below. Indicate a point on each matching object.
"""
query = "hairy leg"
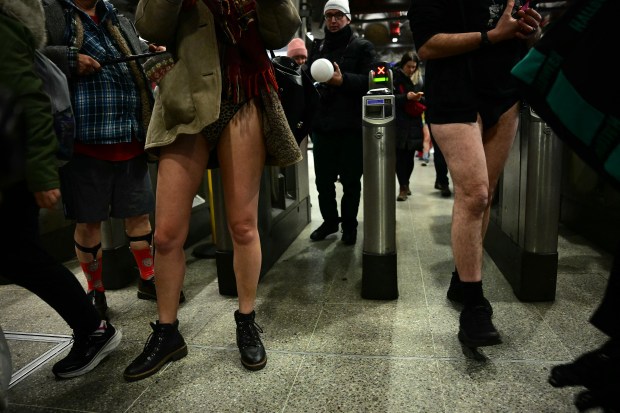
(241, 153)
(462, 148)
(475, 161)
(181, 170)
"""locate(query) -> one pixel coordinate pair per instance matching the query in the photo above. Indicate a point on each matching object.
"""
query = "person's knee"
(167, 239)
(138, 225)
(87, 230)
(243, 232)
(476, 198)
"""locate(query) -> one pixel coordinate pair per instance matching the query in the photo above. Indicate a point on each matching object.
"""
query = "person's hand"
(522, 25)
(415, 96)
(336, 79)
(87, 65)
(156, 48)
(529, 23)
(47, 199)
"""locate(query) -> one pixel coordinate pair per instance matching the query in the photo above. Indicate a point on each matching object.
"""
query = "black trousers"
(24, 262)
(404, 165)
(605, 318)
(339, 155)
(441, 167)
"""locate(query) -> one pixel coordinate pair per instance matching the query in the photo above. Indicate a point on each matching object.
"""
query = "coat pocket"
(176, 97)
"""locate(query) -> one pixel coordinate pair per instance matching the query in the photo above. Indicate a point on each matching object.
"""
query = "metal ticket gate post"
(522, 237)
(119, 267)
(379, 266)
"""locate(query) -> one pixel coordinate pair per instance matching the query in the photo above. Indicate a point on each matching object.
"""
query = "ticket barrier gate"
(379, 265)
(522, 237)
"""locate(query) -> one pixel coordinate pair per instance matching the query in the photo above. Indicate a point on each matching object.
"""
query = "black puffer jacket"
(340, 107)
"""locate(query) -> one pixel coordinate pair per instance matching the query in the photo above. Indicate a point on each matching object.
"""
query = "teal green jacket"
(17, 47)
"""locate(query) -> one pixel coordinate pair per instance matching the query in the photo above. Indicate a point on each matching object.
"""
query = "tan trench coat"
(188, 97)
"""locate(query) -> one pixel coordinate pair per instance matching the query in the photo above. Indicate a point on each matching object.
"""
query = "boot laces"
(249, 333)
(153, 340)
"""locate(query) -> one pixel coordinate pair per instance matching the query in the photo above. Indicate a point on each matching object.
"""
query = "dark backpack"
(56, 87)
(298, 95)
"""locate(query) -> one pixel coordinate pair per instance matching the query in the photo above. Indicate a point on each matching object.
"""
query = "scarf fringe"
(249, 87)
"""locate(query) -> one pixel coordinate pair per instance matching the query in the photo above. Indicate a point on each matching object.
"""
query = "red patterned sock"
(144, 259)
(92, 271)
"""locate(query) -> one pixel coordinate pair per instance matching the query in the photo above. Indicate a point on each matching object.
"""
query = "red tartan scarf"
(247, 66)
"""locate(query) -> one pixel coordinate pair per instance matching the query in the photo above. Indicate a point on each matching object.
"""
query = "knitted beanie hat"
(342, 5)
(296, 47)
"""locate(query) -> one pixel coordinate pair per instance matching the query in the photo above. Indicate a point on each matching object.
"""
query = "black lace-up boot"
(253, 356)
(164, 344)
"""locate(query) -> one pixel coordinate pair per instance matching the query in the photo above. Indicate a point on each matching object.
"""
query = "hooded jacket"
(22, 31)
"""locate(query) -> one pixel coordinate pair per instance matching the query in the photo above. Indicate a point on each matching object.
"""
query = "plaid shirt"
(107, 104)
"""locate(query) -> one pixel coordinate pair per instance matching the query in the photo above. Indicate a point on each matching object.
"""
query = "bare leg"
(497, 142)
(476, 160)
(241, 153)
(181, 170)
(462, 147)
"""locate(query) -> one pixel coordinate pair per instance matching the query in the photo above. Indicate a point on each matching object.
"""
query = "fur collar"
(30, 14)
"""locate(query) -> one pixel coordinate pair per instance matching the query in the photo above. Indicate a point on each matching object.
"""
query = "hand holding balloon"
(322, 70)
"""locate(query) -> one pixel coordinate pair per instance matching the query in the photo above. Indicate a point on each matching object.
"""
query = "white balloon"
(322, 70)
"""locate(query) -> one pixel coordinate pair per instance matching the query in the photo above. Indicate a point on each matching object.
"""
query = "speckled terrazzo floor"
(330, 350)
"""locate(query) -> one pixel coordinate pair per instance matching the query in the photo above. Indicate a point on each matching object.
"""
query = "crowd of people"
(466, 107)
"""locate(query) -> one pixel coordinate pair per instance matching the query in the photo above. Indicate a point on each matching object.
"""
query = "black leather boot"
(253, 356)
(164, 344)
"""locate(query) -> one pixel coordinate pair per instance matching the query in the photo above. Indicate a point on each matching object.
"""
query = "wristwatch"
(484, 40)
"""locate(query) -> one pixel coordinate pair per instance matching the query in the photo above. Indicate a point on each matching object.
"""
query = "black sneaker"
(146, 290)
(253, 356)
(476, 328)
(324, 230)
(87, 352)
(164, 344)
(605, 398)
(592, 369)
(349, 236)
(99, 301)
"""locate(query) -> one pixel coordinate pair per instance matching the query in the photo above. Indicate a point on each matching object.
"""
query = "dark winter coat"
(22, 31)
(340, 107)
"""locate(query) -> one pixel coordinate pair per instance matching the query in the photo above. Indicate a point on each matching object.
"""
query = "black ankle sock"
(472, 293)
(455, 276)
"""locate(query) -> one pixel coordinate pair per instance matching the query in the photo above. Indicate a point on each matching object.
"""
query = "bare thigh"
(462, 147)
(497, 143)
(241, 153)
(181, 170)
